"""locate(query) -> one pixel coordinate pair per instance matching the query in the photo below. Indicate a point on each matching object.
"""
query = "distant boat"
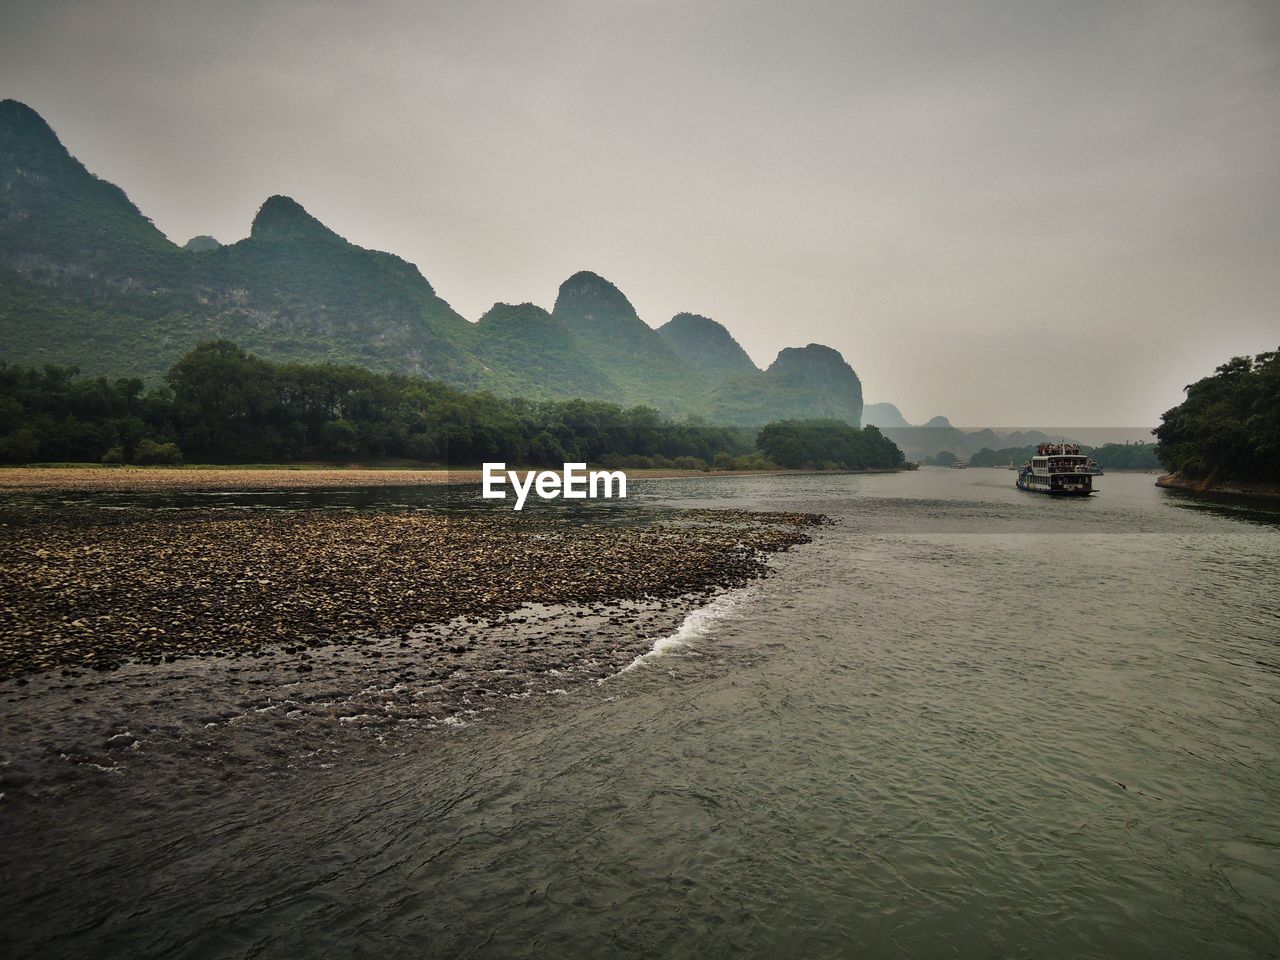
(958, 465)
(1060, 470)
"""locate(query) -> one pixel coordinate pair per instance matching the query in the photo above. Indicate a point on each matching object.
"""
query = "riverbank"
(92, 478)
(92, 588)
(219, 641)
(1256, 491)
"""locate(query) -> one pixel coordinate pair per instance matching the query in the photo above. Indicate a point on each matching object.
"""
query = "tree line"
(219, 404)
(1113, 456)
(828, 444)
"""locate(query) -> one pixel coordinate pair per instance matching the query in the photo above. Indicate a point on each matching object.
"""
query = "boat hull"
(1082, 490)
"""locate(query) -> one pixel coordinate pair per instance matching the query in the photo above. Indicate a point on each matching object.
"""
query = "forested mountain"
(707, 347)
(87, 280)
(812, 382)
(607, 330)
(526, 352)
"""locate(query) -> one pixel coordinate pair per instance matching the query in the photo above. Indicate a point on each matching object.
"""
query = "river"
(964, 721)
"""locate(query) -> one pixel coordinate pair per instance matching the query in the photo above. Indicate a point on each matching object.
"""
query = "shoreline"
(128, 636)
(1204, 488)
(83, 588)
(92, 478)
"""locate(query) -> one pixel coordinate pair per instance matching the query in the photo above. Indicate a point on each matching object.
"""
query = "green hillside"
(707, 347)
(803, 383)
(86, 280)
(526, 352)
(629, 351)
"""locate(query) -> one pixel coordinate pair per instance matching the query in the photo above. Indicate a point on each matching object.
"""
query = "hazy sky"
(1007, 212)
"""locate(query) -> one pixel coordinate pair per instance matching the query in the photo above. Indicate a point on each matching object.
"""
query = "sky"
(1009, 213)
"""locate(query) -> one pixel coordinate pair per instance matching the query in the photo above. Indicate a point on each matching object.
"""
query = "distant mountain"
(707, 347)
(920, 443)
(883, 415)
(938, 423)
(802, 383)
(87, 280)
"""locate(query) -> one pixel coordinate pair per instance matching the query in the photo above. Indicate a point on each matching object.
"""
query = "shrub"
(20, 446)
(151, 453)
(689, 463)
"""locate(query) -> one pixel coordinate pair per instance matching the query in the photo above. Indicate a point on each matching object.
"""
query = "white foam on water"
(696, 624)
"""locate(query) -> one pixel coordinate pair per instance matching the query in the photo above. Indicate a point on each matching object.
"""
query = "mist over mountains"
(87, 280)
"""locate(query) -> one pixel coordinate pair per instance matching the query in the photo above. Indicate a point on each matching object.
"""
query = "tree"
(827, 443)
(1228, 427)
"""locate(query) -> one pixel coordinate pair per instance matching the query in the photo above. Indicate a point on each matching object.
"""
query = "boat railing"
(1083, 468)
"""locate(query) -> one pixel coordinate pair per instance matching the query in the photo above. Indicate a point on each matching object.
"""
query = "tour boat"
(959, 465)
(1059, 469)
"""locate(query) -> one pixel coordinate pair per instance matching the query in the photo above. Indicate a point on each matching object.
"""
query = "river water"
(963, 722)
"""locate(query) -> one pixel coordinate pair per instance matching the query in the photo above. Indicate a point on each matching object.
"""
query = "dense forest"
(827, 444)
(220, 404)
(1228, 427)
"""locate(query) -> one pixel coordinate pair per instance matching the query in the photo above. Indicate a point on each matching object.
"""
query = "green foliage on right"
(1228, 428)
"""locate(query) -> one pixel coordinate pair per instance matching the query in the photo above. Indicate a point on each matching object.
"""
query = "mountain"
(606, 328)
(803, 383)
(296, 290)
(201, 244)
(526, 352)
(883, 415)
(707, 347)
(920, 443)
(57, 220)
(87, 280)
(938, 423)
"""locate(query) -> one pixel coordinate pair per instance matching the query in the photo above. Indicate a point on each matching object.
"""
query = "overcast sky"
(1006, 212)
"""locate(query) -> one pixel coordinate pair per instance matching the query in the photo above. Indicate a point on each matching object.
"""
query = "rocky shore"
(1259, 491)
(179, 641)
(90, 589)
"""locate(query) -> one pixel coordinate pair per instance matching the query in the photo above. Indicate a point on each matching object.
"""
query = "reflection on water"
(965, 721)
